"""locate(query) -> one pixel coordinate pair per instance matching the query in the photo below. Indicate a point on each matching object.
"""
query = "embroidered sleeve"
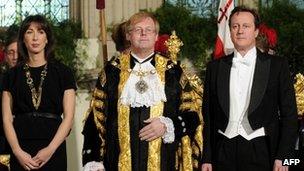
(94, 124)
(189, 123)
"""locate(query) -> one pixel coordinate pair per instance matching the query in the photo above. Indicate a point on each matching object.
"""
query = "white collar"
(248, 58)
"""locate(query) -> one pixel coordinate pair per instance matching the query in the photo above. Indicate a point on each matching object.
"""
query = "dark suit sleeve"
(94, 124)
(288, 114)
(206, 113)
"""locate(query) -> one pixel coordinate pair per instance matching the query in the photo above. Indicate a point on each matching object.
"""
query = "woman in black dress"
(36, 93)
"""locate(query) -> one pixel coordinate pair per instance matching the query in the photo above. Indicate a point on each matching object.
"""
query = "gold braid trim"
(98, 103)
(98, 93)
(186, 164)
(124, 160)
(161, 66)
(154, 151)
(154, 156)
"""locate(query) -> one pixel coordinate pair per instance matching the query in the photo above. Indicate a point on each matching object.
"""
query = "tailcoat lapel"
(260, 81)
(223, 83)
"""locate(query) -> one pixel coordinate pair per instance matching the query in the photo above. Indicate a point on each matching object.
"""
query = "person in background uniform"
(249, 105)
(142, 110)
(35, 94)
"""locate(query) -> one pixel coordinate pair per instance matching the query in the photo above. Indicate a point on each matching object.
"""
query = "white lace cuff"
(169, 135)
(93, 166)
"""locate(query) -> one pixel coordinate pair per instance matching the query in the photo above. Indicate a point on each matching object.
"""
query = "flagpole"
(103, 34)
(100, 5)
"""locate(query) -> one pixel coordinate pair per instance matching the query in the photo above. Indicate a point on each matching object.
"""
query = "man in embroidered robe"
(144, 115)
(249, 104)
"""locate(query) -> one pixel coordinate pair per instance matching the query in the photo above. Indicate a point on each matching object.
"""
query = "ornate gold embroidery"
(98, 104)
(103, 77)
(299, 89)
(187, 96)
(187, 154)
(98, 93)
(5, 160)
(124, 71)
(177, 155)
(187, 106)
(173, 44)
(183, 81)
(161, 66)
(99, 114)
(155, 145)
(199, 138)
(99, 122)
(124, 161)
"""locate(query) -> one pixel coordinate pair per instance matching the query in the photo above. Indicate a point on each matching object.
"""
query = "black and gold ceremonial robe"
(111, 129)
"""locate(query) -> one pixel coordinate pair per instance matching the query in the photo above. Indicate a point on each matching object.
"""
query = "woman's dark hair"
(239, 9)
(45, 26)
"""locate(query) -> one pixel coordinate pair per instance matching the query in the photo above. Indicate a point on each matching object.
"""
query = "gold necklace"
(36, 94)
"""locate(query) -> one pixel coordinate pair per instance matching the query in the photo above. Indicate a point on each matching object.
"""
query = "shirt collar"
(249, 57)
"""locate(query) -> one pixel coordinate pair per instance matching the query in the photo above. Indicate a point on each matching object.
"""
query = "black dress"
(36, 132)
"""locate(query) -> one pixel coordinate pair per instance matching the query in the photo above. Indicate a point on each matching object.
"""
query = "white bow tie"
(244, 61)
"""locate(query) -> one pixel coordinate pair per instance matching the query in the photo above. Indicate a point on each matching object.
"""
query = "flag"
(223, 44)
(100, 4)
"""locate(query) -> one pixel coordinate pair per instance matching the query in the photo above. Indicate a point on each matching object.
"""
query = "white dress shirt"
(241, 78)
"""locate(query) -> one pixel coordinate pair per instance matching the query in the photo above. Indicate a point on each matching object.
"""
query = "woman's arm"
(68, 109)
(24, 158)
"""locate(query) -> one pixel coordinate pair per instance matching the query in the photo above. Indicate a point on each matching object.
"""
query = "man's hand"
(153, 130)
(277, 166)
(206, 167)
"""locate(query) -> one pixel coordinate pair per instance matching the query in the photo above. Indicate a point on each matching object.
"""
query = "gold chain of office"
(141, 86)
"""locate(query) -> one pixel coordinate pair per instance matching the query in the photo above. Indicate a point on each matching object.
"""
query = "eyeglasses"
(11, 52)
(139, 30)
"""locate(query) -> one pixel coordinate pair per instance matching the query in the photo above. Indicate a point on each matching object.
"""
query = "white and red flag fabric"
(223, 44)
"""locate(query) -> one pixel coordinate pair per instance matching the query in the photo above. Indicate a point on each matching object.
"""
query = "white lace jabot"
(155, 91)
